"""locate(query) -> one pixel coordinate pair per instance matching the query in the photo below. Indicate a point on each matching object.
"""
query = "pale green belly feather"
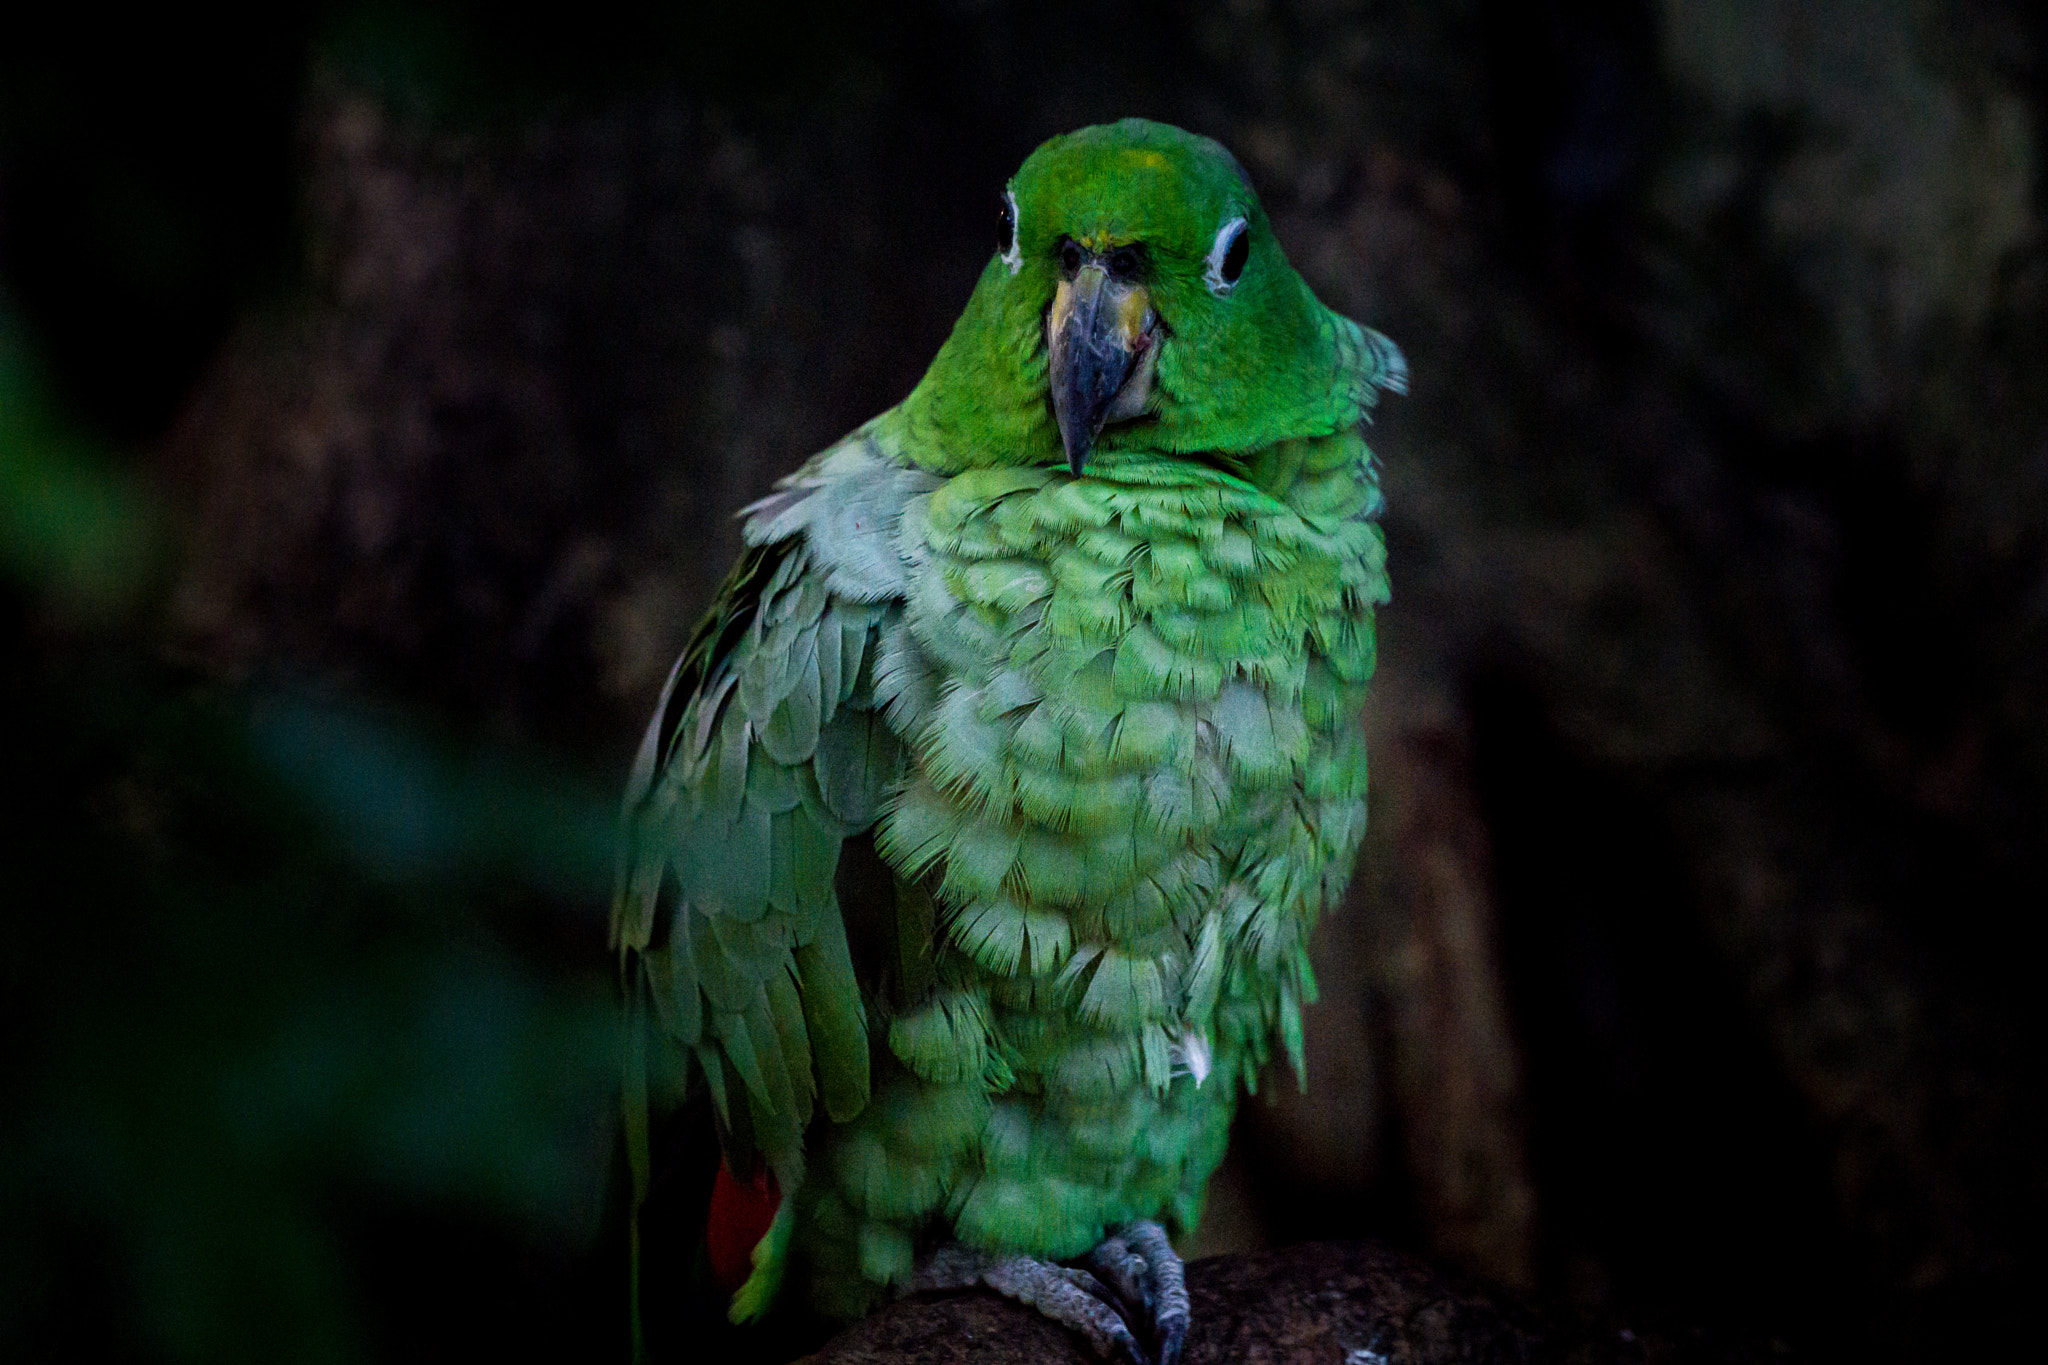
(1138, 775)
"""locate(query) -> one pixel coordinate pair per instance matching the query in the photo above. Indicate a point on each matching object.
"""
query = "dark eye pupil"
(1006, 226)
(1234, 259)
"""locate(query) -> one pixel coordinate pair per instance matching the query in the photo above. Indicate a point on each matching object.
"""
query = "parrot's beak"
(1101, 335)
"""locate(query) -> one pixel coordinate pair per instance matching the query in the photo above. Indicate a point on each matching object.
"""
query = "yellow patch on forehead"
(1160, 188)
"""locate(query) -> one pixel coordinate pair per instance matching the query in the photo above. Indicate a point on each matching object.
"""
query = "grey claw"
(1125, 1272)
(1132, 1284)
(1166, 1303)
(1173, 1335)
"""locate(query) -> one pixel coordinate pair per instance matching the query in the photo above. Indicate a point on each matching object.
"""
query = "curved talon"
(1167, 1304)
(1132, 1287)
(1123, 1270)
(1070, 1296)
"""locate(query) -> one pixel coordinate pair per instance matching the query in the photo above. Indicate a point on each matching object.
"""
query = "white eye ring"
(1014, 257)
(1226, 238)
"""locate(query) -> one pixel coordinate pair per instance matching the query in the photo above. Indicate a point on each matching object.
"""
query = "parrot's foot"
(1130, 1295)
(1142, 1269)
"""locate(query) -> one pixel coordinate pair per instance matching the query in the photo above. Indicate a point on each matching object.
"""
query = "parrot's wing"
(770, 747)
(1367, 363)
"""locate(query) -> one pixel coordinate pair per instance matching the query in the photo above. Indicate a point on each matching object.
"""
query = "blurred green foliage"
(70, 524)
(280, 974)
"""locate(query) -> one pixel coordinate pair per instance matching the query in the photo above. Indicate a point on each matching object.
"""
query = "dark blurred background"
(377, 382)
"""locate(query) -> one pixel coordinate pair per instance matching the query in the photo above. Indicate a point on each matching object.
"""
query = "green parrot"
(972, 853)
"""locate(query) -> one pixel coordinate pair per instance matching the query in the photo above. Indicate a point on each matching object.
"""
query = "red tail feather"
(741, 1211)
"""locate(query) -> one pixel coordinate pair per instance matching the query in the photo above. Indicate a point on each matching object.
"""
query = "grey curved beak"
(1098, 332)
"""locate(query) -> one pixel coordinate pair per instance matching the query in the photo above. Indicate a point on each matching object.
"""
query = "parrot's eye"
(1006, 231)
(1228, 256)
(1233, 259)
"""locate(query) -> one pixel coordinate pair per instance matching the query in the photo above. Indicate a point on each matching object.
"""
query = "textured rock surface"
(1319, 1304)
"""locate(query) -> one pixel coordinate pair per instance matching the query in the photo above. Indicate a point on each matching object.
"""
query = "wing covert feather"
(766, 752)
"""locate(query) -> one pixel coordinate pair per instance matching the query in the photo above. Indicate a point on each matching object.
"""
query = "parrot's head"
(1139, 301)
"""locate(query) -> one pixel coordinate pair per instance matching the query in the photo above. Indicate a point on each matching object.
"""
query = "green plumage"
(1103, 733)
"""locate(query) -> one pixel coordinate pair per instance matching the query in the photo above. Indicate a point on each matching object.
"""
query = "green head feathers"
(1139, 302)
